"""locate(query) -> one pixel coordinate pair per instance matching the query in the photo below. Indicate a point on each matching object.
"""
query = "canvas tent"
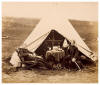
(60, 26)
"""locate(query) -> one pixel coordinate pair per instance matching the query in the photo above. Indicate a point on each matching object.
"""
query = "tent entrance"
(53, 39)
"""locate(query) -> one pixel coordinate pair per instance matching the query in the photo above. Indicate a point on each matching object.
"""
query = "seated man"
(73, 50)
(75, 56)
(72, 56)
(65, 60)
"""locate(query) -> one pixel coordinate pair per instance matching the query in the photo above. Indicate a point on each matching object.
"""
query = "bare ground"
(50, 76)
(18, 32)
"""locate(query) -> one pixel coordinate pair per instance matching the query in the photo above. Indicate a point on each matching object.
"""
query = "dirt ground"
(17, 31)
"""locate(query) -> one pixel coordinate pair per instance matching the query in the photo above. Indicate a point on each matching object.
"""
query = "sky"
(71, 10)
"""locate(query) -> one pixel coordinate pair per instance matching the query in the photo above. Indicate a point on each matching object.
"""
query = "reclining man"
(28, 60)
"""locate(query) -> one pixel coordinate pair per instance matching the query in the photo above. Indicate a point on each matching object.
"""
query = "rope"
(85, 49)
(36, 46)
(81, 46)
(36, 40)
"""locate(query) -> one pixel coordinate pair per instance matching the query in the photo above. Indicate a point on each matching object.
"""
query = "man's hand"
(73, 59)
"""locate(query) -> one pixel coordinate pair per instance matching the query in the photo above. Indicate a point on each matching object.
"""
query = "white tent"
(62, 26)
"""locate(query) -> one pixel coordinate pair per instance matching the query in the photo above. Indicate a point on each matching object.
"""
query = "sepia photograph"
(49, 42)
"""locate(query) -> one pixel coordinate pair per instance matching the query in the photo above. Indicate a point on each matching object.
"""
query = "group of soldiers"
(71, 60)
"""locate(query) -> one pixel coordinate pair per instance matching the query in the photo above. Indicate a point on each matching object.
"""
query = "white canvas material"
(15, 60)
(62, 26)
(65, 44)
